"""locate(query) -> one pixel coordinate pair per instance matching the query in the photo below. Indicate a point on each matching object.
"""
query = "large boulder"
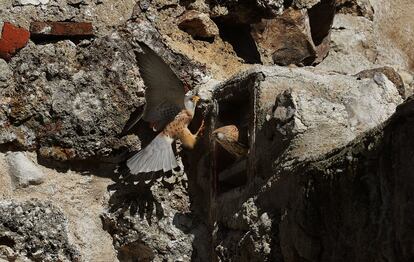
(34, 230)
(306, 191)
(304, 115)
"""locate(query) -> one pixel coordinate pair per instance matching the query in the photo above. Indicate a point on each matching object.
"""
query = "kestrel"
(168, 109)
(228, 138)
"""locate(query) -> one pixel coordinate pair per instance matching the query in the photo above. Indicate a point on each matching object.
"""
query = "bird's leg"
(188, 139)
(200, 129)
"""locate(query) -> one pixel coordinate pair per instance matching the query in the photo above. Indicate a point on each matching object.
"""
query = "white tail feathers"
(158, 155)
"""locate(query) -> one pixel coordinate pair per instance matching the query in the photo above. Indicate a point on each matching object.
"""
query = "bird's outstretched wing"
(165, 92)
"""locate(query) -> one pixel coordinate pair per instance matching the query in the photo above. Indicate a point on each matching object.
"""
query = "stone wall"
(323, 91)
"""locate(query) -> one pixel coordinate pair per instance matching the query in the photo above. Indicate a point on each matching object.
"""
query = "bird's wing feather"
(152, 157)
(165, 92)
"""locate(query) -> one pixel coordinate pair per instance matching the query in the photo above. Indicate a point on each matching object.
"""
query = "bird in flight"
(228, 138)
(168, 108)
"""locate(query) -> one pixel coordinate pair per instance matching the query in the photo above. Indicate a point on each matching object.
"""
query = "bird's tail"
(158, 155)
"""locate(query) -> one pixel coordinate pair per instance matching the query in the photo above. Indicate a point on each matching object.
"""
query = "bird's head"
(190, 102)
(229, 133)
(217, 134)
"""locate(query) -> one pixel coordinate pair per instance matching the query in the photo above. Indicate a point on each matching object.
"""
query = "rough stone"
(105, 15)
(305, 3)
(151, 222)
(6, 74)
(85, 83)
(356, 7)
(198, 24)
(80, 195)
(359, 43)
(93, 88)
(359, 190)
(394, 46)
(12, 39)
(286, 39)
(390, 73)
(352, 45)
(7, 254)
(315, 112)
(33, 2)
(408, 79)
(35, 230)
(23, 171)
(316, 183)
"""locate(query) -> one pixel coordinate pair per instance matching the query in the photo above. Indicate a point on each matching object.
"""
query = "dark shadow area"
(135, 252)
(234, 110)
(238, 35)
(287, 3)
(133, 193)
(10, 146)
(51, 39)
(205, 39)
(7, 241)
(321, 18)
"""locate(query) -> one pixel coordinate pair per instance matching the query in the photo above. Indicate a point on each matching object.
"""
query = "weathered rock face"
(352, 192)
(362, 191)
(315, 172)
(359, 42)
(311, 113)
(151, 222)
(78, 197)
(296, 46)
(390, 73)
(356, 7)
(67, 101)
(198, 24)
(352, 45)
(299, 120)
(34, 230)
(23, 12)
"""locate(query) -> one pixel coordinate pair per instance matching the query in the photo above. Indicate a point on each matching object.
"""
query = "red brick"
(13, 38)
(61, 29)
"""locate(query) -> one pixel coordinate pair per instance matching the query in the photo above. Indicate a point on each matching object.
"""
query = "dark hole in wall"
(50, 39)
(238, 35)
(7, 241)
(287, 3)
(233, 111)
(321, 18)
(205, 39)
(135, 251)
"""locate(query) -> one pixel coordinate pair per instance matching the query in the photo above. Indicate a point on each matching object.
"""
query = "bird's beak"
(195, 99)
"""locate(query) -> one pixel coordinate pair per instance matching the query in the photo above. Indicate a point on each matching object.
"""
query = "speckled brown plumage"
(178, 129)
(228, 138)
